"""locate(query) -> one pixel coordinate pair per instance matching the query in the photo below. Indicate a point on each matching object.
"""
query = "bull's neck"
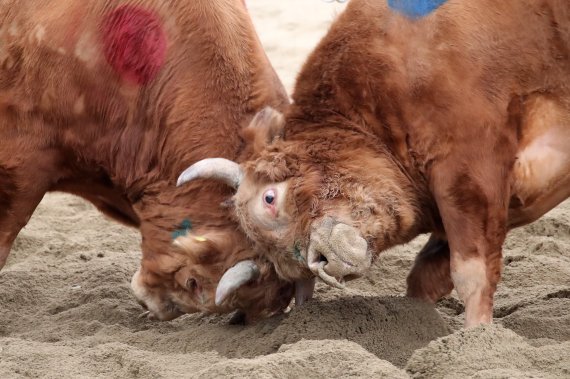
(218, 78)
(364, 91)
(377, 128)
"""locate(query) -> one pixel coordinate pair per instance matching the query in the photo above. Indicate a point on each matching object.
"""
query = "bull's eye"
(269, 197)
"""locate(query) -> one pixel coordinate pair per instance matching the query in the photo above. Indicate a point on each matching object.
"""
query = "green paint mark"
(297, 253)
(183, 229)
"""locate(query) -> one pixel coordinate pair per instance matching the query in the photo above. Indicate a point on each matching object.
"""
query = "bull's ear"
(264, 128)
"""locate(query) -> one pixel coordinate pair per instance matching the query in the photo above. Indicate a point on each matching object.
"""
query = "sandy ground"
(66, 310)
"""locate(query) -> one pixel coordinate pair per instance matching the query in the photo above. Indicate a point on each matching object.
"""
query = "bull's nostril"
(191, 284)
(322, 258)
(142, 304)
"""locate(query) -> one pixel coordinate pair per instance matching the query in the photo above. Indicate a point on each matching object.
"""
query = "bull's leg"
(476, 260)
(4, 252)
(472, 197)
(430, 278)
(13, 219)
(23, 182)
(541, 174)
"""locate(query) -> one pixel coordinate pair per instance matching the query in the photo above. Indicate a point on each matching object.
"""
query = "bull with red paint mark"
(110, 101)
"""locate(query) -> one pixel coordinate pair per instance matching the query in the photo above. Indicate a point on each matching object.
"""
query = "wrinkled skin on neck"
(327, 196)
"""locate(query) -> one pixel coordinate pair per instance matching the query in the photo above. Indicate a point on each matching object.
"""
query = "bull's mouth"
(319, 270)
(156, 307)
(170, 312)
(337, 252)
(317, 263)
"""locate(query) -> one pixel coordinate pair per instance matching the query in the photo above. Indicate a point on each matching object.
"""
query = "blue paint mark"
(183, 229)
(415, 8)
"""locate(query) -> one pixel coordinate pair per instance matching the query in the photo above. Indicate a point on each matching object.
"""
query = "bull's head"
(206, 269)
(250, 286)
(317, 205)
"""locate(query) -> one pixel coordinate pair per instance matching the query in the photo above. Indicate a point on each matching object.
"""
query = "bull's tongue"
(304, 290)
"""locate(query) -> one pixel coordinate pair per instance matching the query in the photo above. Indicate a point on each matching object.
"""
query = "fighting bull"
(110, 100)
(450, 118)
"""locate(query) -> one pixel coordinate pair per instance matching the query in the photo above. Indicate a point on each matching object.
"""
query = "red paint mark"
(134, 43)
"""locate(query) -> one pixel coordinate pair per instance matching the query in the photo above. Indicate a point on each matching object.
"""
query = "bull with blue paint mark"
(410, 117)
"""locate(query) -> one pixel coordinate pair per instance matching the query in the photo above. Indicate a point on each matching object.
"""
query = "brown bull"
(110, 100)
(454, 122)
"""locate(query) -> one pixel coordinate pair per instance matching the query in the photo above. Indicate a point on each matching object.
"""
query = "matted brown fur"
(69, 122)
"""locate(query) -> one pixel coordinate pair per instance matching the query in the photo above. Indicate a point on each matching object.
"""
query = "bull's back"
(480, 44)
(110, 79)
(99, 58)
(52, 59)
(445, 58)
(462, 63)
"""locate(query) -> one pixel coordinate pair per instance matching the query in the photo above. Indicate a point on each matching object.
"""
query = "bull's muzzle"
(337, 251)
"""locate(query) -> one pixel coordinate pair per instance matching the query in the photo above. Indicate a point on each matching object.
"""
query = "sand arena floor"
(66, 308)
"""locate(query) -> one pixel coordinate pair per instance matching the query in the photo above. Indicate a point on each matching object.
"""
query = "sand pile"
(489, 351)
(66, 308)
(66, 311)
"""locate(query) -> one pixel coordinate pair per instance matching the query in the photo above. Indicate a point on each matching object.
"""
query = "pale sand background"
(66, 309)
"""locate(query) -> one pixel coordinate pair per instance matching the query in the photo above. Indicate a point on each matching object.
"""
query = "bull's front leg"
(430, 277)
(473, 205)
(25, 176)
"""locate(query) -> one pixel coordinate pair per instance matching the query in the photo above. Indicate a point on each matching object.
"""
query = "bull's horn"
(234, 278)
(213, 168)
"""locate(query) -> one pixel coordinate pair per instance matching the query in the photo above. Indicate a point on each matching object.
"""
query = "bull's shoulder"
(59, 56)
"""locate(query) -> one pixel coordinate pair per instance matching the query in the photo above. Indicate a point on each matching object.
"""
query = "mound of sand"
(66, 309)
(308, 359)
(489, 351)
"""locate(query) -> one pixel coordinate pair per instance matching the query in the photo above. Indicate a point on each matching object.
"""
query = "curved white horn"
(213, 168)
(241, 273)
